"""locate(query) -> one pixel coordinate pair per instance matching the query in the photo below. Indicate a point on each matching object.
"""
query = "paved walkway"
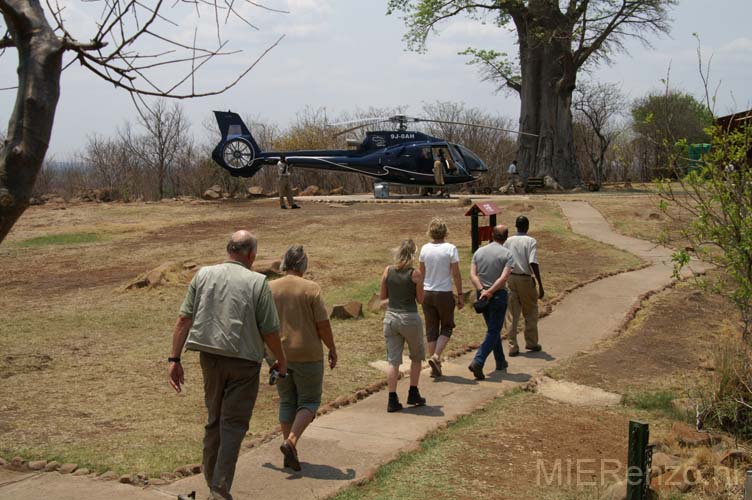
(350, 443)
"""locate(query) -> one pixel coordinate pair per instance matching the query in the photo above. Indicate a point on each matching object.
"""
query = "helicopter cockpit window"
(472, 162)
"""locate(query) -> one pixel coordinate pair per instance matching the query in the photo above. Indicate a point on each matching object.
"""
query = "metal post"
(638, 469)
(474, 231)
(748, 486)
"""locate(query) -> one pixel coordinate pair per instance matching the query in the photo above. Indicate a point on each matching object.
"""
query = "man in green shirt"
(228, 315)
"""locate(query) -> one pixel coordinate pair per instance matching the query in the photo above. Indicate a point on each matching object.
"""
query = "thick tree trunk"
(40, 55)
(548, 80)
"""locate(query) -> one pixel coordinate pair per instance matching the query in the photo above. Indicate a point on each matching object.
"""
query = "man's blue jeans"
(494, 316)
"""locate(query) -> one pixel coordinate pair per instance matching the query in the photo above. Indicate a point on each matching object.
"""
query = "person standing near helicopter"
(438, 171)
(283, 170)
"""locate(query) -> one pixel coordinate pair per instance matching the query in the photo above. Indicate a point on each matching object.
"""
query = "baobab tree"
(556, 39)
(134, 45)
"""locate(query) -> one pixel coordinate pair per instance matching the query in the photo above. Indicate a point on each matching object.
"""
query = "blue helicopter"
(397, 156)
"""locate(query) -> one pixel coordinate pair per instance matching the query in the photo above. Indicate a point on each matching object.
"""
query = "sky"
(343, 55)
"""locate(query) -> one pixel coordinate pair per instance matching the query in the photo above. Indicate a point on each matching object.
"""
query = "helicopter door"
(424, 162)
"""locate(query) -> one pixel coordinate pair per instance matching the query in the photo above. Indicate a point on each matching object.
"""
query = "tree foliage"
(662, 118)
(718, 196)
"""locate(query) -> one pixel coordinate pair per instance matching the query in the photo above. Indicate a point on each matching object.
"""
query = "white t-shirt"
(438, 259)
(283, 169)
(512, 169)
(524, 250)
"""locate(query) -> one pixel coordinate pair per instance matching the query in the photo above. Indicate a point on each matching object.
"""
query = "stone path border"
(347, 446)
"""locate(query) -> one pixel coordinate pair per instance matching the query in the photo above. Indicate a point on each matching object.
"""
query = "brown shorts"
(438, 310)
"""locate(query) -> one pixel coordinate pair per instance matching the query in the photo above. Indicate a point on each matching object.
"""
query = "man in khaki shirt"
(228, 315)
(523, 297)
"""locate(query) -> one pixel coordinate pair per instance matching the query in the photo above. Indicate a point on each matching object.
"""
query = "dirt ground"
(82, 370)
(669, 342)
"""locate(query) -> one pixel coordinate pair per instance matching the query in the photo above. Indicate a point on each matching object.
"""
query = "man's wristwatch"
(173, 360)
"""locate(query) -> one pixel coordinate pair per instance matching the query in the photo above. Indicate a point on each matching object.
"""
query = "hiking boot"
(477, 370)
(393, 404)
(435, 363)
(414, 397)
(295, 206)
(514, 352)
(283, 207)
(502, 367)
(291, 455)
(535, 348)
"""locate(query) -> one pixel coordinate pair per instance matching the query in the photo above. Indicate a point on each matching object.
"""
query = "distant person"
(304, 327)
(438, 171)
(402, 284)
(489, 272)
(228, 315)
(514, 176)
(523, 297)
(284, 170)
(439, 265)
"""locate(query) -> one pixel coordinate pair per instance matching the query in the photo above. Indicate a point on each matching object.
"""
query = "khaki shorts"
(301, 389)
(401, 327)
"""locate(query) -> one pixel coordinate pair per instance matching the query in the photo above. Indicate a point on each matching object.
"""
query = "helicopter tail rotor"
(237, 151)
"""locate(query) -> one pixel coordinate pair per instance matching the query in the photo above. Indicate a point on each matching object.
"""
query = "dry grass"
(82, 371)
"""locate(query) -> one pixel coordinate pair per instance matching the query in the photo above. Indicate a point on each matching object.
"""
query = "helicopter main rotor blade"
(358, 127)
(476, 125)
(359, 120)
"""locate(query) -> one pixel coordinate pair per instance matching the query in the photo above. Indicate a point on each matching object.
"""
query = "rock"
(690, 437)
(81, 472)
(125, 479)
(684, 478)
(157, 482)
(268, 267)
(168, 476)
(617, 491)
(341, 401)
(361, 394)
(375, 304)
(37, 464)
(351, 310)
(311, 191)
(194, 468)
(550, 183)
(295, 192)
(108, 476)
(732, 458)
(36, 201)
(3, 463)
(338, 191)
(51, 466)
(183, 471)
(17, 463)
(105, 195)
(662, 462)
(255, 192)
(212, 194)
(67, 468)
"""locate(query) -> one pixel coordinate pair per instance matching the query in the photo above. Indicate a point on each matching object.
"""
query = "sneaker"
(295, 206)
(414, 398)
(393, 405)
(514, 352)
(535, 348)
(291, 455)
(476, 370)
(283, 207)
(435, 363)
